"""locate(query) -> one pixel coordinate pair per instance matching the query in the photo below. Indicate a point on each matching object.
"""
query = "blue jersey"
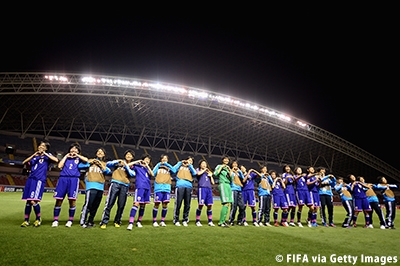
(264, 186)
(249, 184)
(184, 175)
(327, 183)
(204, 180)
(237, 179)
(289, 181)
(71, 167)
(358, 191)
(388, 195)
(277, 190)
(39, 166)
(163, 173)
(301, 183)
(142, 176)
(344, 191)
(315, 186)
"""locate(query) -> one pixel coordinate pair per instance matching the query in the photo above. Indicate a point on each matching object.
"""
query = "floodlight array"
(189, 92)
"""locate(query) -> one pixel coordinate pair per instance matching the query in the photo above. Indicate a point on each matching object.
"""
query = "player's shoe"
(309, 224)
(117, 225)
(332, 225)
(314, 224)
(184, 223)
(37, 223)
(211, 224)
(155, 224)
(198, 223)
(130, 226)
(177, 224)
(25, 224)
(256, 224)
(139, 224)
(292, 224)
(382, 227)
(245, 223)
(261, 224)
(90, 225)
(354, 225)
(68, 224)
(324, 224)
(285, 224)
(299, 224)
(162, 224)
(223, 225)
(54, 224)
(276, 224)
(103, 226)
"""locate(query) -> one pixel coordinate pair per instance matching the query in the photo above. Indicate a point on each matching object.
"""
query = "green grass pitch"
(185, 245)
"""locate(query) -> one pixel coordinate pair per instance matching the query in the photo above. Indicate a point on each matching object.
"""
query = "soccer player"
(142, 189)
(302, 194)
(33, 191)
(222, 172)
(163, 172)
(68, 183)
(374, 203)
(279, 199)
(183, 191)
(236, 186)
(118, 189)
(326, 196)
(389, 199)
(313, 182)
(347, 201)
(288, 178)
(249, 198)
(94, 180)
(204, 194)
(361, 203)
(264, 194)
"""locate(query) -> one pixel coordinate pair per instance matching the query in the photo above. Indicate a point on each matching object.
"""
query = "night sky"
(334, 70)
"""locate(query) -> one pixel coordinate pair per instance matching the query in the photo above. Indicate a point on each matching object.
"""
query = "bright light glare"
(192, 93)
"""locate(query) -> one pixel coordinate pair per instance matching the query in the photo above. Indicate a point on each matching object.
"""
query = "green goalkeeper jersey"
(223, 175)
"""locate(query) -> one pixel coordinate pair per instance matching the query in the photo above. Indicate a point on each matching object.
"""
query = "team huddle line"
(236, 186)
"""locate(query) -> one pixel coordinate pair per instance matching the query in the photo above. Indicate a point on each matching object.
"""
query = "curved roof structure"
(143, 113)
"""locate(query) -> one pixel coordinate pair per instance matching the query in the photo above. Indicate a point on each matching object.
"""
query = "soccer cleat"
(90, 225)
(314, 224)
(245, 223)
(155, 224)
(354, 225)
(25, 224)
(268, 225)
(299, 224)
(383, 227)
(68, 224)
(276, 224)
(198, 223)
(285, 224)
(177, 224)
(37, 223)
(117, 225)
(370, 226)
(103, 226)
(162, 224)
(130, 226)
(261, 224)
(308, 223)
(324, 224)
(139, 224)
(332, 225)
(211, 224)
(292, 224)
(256, 224)
(184, 223)
(224, 225)
(54, 224)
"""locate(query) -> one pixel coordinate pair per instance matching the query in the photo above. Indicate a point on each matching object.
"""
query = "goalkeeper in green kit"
(223, 173)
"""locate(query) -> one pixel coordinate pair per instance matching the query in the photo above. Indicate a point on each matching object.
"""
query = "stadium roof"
(149, 114)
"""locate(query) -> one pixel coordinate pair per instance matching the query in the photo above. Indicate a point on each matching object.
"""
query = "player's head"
(273, 174)
(101, 154)
(311, 170)
(44, 146)
(263, 169)
(202, 164)
(225, 159)
(243, 168)
(286, 169)
(382, 180)
(298, 170)
(190, 159)
(164, 158)
(75, 148)
(351, 177)
(234, 164)
(146, 157)
(129, 155)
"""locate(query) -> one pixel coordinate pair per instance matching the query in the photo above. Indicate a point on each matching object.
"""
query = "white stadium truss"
(148, 114)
